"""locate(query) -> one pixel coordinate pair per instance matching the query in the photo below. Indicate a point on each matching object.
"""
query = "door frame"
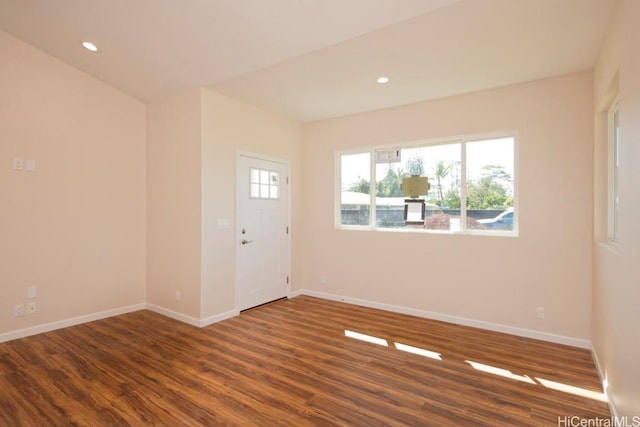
(238, 234)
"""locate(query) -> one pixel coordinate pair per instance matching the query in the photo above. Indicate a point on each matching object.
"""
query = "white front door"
(262, 260)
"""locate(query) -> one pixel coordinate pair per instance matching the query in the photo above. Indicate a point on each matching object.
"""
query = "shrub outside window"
(472, 186)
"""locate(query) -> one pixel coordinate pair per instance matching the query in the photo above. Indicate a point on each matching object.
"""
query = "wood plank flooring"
(290, 363)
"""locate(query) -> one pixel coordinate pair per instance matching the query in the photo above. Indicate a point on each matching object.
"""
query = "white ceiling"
(314, 59)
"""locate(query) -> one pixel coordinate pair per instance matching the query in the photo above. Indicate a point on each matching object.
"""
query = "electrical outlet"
(18, 164)
(31, 307)
(178, 296)
(18, 310)
(540, 312)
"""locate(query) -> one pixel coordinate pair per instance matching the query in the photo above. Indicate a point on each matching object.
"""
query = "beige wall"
(616, 290)
(118, 213)
(173, 203)
(492, 279)
(75, 227)
(229, 125)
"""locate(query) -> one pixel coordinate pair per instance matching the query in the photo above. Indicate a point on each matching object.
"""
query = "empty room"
(319, 212)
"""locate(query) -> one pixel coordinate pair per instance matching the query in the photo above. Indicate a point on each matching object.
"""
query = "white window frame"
(462, 140)
(613, 170)
(338, 189)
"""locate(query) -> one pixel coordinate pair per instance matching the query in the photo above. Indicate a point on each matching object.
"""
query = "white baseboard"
(174, 314)
(605, 387)
(46, 327)
(296, 293)
(218, 318)
(21, 333)
(528, 333)
(192, 320)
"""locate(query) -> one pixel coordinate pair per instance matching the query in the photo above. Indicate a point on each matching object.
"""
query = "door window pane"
(264, 184)
(255, 191)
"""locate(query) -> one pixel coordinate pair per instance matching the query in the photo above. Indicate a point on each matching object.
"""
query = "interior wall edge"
(184, 318)
(601, 373)
(210, 320)
(190, 320)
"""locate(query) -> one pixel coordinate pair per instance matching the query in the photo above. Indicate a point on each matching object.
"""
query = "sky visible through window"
(479, 153)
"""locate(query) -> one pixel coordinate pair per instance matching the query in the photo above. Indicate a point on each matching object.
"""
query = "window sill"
(609, 246)
(487, 233)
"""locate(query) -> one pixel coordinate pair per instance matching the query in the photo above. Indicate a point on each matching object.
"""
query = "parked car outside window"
(504, 221)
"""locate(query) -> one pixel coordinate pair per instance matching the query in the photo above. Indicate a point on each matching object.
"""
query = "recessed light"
(90, 46)
(383, 80)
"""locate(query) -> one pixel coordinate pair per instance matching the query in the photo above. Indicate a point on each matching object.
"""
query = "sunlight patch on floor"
(367, 338)
(578, 391)
(418, 351)
(505, 373)
(500, 372)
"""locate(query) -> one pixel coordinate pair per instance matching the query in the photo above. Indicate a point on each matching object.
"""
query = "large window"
(471, 187)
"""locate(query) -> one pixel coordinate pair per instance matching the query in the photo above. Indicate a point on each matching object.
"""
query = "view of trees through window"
(487, 181)
(355, 202)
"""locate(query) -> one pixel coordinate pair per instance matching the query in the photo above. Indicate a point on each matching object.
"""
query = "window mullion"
(372, 190)
(463, 186)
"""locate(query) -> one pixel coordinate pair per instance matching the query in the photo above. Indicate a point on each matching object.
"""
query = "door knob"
(245, 241)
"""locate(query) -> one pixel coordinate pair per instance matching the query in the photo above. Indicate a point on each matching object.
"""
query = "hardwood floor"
(290, 363)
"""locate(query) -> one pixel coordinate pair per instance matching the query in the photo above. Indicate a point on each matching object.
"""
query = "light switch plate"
(30, 165)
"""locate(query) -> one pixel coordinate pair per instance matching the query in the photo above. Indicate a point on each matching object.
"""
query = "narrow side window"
(490, 188)
(613, 169)
(355, 185)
